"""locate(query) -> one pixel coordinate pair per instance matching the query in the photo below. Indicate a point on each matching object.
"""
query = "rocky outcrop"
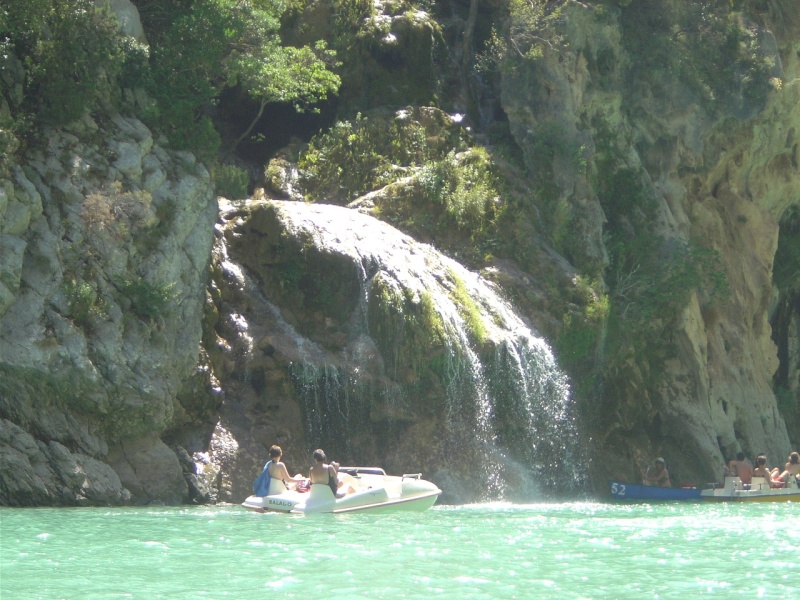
(128, 17)
(631, 133)
(336, 330)
(722, 171)
(106, 237)
(124, 380)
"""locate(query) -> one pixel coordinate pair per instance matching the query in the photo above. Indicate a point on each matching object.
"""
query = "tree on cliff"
(67, 55)
(209, 45)
(57, 58)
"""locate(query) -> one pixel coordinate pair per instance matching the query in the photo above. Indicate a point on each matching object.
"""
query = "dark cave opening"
(280, 124)
(785, 322)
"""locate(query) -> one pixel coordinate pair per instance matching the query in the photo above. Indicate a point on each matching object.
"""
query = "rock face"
(723, 171)
(127, 375)
(105, 239)
(128, 16)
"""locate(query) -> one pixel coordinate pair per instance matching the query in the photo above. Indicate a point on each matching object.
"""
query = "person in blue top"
(275, 469)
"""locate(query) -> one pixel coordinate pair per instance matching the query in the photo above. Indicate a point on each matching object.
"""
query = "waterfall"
(434, 367)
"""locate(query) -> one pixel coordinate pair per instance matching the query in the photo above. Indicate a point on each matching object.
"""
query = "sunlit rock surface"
(325, 329)
(382, 351)
(106, 238)
(724, 173)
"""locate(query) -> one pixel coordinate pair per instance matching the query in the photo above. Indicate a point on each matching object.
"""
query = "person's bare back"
(741, 468)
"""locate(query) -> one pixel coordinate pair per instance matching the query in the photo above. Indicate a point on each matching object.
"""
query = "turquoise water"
(564, 551)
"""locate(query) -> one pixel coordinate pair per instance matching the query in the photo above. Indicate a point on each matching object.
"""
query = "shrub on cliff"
(59, 57)
(709, 48)
(372, 150)
(465, 185)
(211, 45)
(67, 56)
(787, 256)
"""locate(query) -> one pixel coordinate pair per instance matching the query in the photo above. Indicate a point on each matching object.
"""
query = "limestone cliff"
(721, 166)
(624, 182)
(105, 239)
(661, 164)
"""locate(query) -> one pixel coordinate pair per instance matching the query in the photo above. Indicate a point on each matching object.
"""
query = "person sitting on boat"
(774, 472)
(277, 470)
(325, 474)
(657, 474)
(791, 468)
(741, 468)
(762, 470)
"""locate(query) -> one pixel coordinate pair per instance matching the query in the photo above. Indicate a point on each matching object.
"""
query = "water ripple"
(570, 550)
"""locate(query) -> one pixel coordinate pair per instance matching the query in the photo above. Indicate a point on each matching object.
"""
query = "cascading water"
(432, 368)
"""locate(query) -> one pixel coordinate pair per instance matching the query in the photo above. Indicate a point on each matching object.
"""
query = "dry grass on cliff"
(117, 212)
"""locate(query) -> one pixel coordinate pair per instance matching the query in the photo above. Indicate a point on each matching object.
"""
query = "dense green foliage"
(230, 181)
(70, 54)
(358, 156)
(210, 45)
(67, 56)
(58, 58)
(707, 46)
(787, 257)
(465, 185)
(346, 18)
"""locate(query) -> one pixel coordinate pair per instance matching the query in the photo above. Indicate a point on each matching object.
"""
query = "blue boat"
(636, 491)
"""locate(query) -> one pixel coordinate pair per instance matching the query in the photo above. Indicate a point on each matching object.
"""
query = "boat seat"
(321, 492)
(276, 486)
(759, 483)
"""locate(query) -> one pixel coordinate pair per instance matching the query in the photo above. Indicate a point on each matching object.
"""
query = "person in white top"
(278, 470)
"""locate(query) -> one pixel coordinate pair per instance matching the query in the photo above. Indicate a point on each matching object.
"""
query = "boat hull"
(733, 490)
(771, 498)
(636, 491)
(413, 504)
(372, 491)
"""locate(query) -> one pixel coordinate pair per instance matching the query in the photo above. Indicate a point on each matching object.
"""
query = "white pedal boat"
(375, 491)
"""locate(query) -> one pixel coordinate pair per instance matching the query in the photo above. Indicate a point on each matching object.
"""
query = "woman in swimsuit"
(325, 474)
